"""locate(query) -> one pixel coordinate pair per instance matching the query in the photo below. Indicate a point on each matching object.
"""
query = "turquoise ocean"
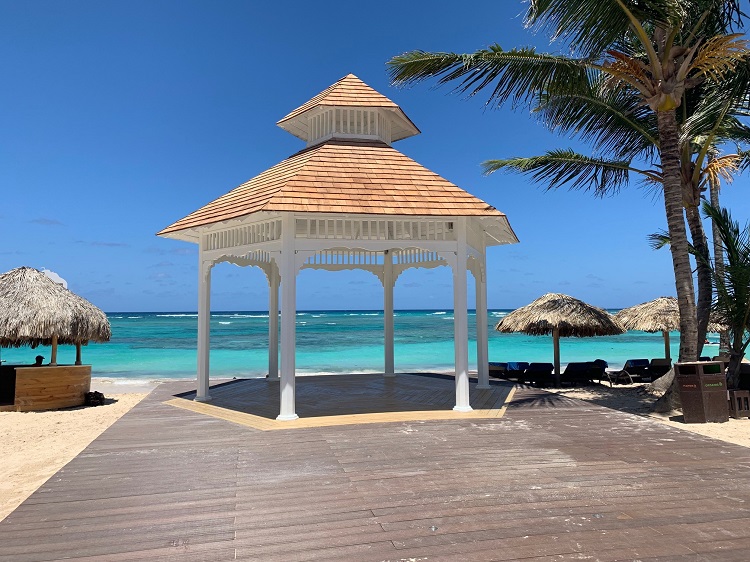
(155, 346)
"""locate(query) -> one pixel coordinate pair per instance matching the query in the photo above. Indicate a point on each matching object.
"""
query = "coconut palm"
(652, 51)
(618, 128)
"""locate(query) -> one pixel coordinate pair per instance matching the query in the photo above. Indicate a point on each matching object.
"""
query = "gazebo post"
(78, 353)
(273, 323)
(667, 353)
(556, 345)
(483, 368)
(388, 283)
(204, 327)
(460, 321)
(287, 407)
(53, 358)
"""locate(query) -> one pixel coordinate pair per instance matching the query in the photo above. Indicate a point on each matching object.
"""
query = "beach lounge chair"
(599, 367)
(634, 370)
(579, 373)
(659, 367)
(516, 369)
(539, 374)
(498, 370)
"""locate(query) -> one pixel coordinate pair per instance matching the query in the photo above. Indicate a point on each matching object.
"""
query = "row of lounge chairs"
(542, 374)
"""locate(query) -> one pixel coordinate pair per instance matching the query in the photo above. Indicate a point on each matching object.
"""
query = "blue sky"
(118, 118)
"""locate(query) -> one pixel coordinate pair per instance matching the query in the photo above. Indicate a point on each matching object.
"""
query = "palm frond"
(722, 167)
(719, 55)
(591, 27)
(557, 168)
(517, 75)
(659, 240)
(611, 120)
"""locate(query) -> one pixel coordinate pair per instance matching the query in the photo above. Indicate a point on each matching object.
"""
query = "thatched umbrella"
(659, 315)
(35, 310)
(561, 316)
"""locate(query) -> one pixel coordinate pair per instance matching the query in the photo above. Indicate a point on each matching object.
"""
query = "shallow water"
(163, 345)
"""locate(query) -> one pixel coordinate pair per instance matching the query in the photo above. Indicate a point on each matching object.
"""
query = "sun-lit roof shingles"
(349, 91)
(343, 176)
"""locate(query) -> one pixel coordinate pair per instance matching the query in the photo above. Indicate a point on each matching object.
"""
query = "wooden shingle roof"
(349, 92)
(343, 176)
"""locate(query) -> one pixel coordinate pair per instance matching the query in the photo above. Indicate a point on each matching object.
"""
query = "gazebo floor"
(330, 400)
(553, 479)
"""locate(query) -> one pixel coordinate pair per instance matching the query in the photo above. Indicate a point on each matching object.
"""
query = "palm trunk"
(703, 270)
(714, 187)
(683, 275)
(672, 180)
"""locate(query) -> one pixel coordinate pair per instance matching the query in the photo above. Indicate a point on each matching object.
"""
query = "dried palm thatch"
(658, 315)
(561, 316)
(34, 310)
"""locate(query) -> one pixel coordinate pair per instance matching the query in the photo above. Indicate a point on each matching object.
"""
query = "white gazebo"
(348, 200)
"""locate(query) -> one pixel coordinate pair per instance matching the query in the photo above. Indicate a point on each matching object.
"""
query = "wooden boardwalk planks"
(553, 478)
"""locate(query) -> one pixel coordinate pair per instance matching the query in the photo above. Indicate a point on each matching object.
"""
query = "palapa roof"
(343, 176)
(572, 317)
(33, 309)
(659, 315)
(350, 91)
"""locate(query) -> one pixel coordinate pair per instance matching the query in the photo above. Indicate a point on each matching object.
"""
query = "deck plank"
(552, 479)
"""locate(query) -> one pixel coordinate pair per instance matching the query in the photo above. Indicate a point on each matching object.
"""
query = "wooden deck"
(346, 399)
(553, 479)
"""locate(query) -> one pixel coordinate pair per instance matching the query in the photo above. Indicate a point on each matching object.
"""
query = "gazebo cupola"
(349, 109)
(348, 200)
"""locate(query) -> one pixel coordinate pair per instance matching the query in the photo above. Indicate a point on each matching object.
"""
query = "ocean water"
(158, 346)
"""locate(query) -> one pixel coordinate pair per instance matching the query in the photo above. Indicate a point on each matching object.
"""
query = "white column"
(460, 321)
(204, 326)
(388, 283)
(287, 408)
(273, 323)
(483, 368)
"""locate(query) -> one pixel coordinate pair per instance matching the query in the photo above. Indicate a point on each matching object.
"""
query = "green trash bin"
(703, 391)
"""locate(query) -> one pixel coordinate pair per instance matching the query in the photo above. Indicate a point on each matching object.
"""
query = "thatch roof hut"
(35, 310)
(561, 316)
(659, 315)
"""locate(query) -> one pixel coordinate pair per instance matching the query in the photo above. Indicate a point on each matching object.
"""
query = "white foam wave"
(438, 313)
(177, 316)
(225, 323)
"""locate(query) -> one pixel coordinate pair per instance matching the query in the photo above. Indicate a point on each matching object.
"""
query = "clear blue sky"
(117, 118)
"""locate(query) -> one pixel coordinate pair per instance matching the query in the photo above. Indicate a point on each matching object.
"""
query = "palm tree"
(620, 135)
(732, 282)
(653, 51)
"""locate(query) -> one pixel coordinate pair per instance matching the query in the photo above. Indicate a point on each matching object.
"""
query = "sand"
(634, 398)
(35, 445)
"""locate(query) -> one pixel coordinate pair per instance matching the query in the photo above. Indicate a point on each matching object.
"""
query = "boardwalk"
(553, 479)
